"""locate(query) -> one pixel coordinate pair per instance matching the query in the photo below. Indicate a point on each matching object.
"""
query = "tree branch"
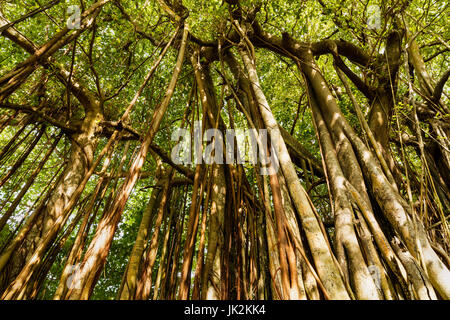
(437, 93)
(40, 114)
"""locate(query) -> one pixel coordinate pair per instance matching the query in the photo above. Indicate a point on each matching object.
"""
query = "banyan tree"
(230, 149)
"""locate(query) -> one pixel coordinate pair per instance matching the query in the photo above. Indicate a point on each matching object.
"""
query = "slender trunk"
(131, 272)
(27, 185)
(98, 250)
(23, 157)
(189, 245)
(323, 259)
(394, 207)
(144, 284)
(164, 257)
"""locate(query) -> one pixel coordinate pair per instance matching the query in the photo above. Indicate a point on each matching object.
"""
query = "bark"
(212, 270)
(380, 228)
(98, 249)
(27, 185)
(323, 259)
(394, 207)
(201, 248)
(23, 156)
(15, 289)
(129, 285)
(77, 247)
(144, 284)
(361, 280)
(189, 245)
(164, 257)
